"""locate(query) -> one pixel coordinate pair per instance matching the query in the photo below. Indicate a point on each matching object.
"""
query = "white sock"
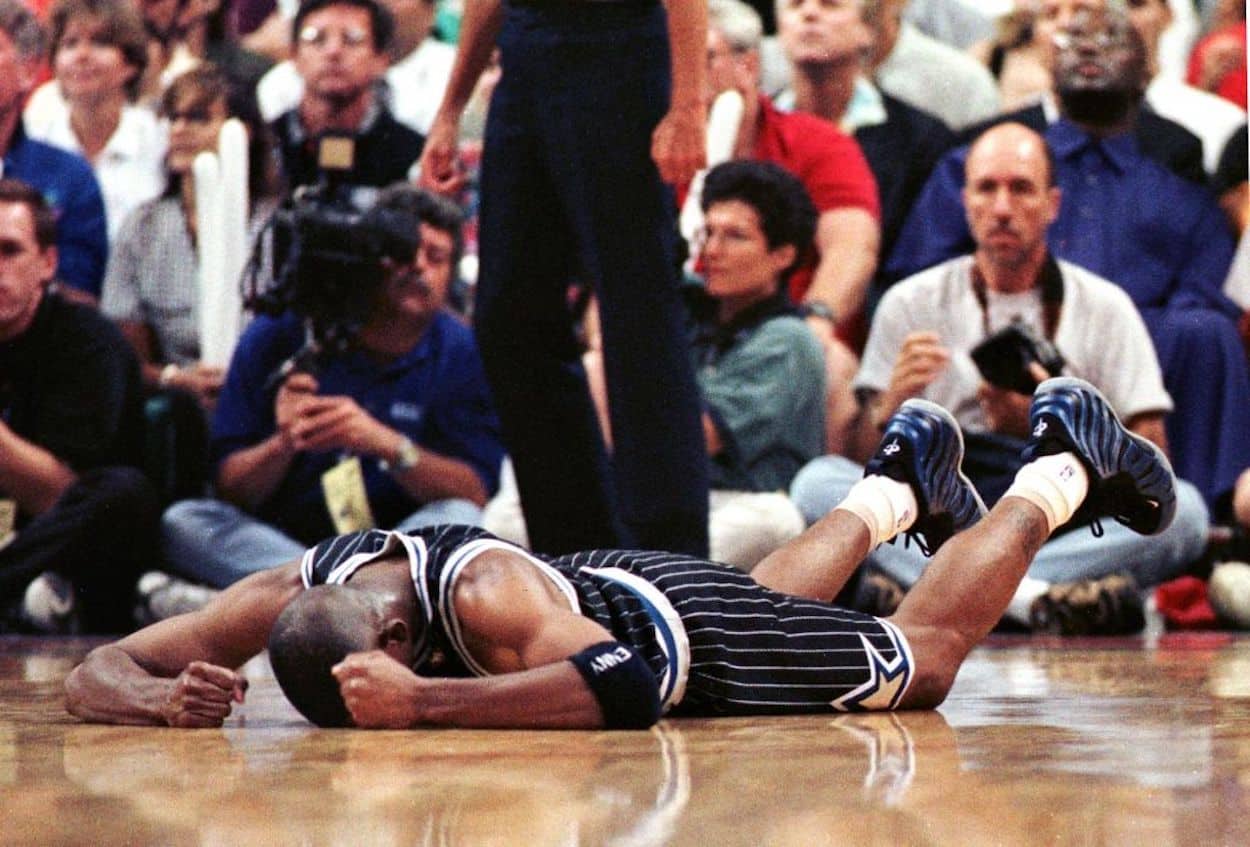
(886, 506)
(1056, 484)
(1030, 589)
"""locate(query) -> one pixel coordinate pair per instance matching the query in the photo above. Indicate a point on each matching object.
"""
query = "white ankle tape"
(886, 506)
(1056, 484)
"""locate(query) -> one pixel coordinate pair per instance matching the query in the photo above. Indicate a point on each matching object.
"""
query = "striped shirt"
(717, 641)
(153, 273)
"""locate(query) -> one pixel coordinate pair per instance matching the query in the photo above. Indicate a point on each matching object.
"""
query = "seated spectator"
(99, 52)
(827, 162)
(64, 179)
(397, 430)
(151, 288)
(1129, 220)
(760, 371)
(1211, 118)
(339, 49)
(413, 85)
(832, 281)
(827, 45)
(1218, 62)
(77, 520)
(1158, 138)
(921, 344)
(928, 74)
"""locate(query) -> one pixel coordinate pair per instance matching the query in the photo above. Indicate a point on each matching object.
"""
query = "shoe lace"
(911, 535)
(1095, 526)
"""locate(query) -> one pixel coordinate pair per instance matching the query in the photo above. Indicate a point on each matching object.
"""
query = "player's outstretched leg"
(923, 447)
(1130, 479)
(912, 484)
(1079, 451)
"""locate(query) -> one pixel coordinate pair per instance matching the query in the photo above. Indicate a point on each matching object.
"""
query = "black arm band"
(627, 690)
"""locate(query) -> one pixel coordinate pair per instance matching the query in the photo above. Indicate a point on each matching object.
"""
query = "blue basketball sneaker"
(923, 447)
(1129, 478)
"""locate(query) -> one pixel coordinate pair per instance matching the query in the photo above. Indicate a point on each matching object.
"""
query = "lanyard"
(1050, 278)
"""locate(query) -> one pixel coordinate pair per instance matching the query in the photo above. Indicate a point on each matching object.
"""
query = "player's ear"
(395, 633)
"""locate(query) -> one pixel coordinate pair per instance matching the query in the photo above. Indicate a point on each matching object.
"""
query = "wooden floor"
(1042, 742)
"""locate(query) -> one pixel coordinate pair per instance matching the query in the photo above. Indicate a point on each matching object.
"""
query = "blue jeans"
(570, 193)
(1075, 555)
(217, 543)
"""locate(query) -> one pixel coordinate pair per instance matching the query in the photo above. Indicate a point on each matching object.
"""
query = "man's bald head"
(1016, 140)
(1010, 198)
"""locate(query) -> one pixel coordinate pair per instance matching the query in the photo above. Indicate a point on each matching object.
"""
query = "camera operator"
(922, 343)
(394, 430)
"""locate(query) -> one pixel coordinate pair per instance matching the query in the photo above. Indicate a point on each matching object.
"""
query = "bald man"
(920, 345)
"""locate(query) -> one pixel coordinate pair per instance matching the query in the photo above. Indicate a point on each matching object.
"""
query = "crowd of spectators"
(909, 179)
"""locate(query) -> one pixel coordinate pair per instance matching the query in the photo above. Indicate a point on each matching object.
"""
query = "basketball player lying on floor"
(450, 626)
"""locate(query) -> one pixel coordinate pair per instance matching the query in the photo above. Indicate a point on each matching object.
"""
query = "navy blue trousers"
(569, 193)
(1205, 371)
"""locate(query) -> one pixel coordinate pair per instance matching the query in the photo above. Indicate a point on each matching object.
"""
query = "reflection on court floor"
(1041, 742)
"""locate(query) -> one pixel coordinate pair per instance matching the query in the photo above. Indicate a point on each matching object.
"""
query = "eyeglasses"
(1101, 40)
(318, 36)
(726, 52)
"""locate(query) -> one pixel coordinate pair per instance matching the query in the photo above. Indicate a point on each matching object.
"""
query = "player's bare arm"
(520, 629)
(182, 671)
(848, 240)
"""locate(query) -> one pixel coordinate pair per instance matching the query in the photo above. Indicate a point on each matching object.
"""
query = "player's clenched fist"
(378, 691)
(203, 696)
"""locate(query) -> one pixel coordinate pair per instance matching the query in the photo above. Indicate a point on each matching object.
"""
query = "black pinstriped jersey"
(718, 642)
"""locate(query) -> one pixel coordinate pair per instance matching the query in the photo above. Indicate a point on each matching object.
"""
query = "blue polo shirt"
(436, 394)
(69, 185)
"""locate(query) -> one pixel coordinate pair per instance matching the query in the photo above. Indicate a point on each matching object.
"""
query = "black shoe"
(1129, 478)
(1111, 605)
(923, 447)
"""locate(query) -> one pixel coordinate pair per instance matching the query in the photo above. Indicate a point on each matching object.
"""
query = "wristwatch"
(815, 308)
(406, 457)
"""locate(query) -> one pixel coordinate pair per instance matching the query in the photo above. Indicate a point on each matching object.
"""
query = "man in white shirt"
(920, 345)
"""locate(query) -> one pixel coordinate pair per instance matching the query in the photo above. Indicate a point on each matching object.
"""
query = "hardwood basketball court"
(1136, 742)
